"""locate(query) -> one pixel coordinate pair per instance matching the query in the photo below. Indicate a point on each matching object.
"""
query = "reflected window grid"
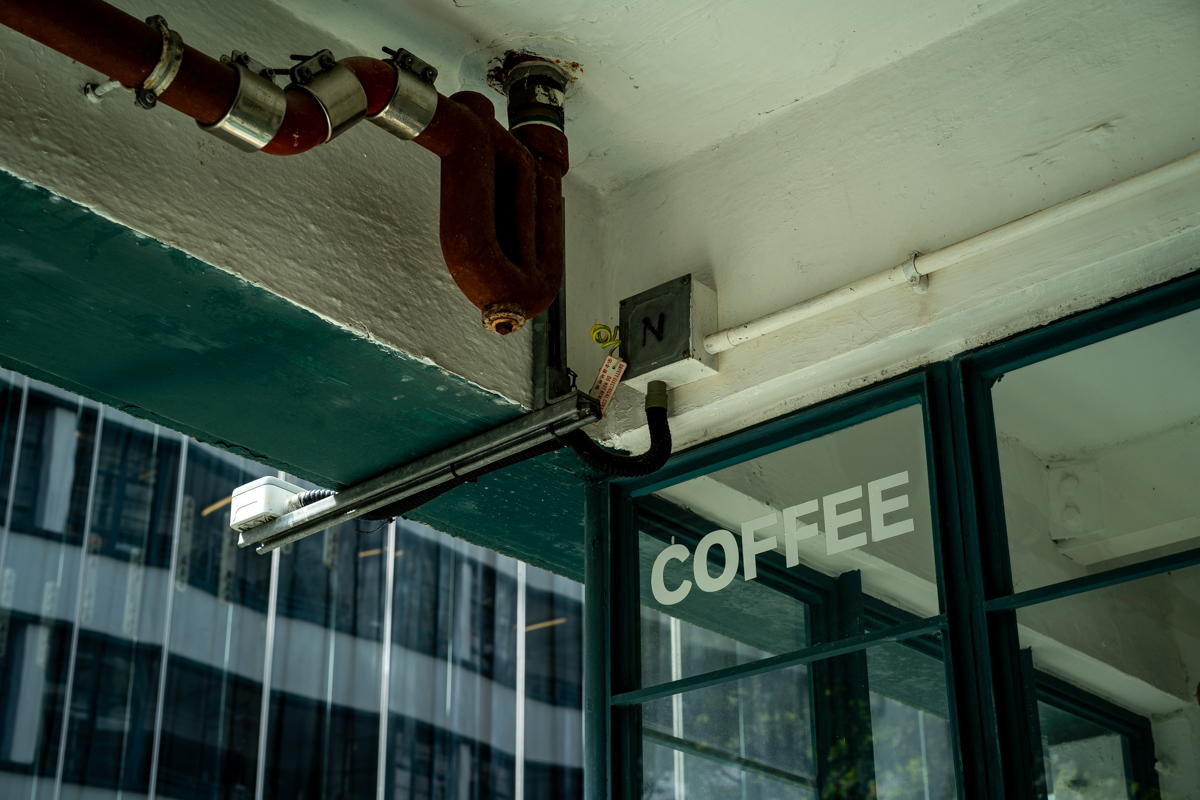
(143, 555)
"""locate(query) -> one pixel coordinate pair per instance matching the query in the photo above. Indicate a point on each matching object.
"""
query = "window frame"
(1015, 760)
(625, 497)
(991, 683)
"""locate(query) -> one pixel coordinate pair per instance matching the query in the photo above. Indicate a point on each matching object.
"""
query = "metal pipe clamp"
(414, 100)
(339, 94)
(916, 281)
(165, 70)
(256, 114)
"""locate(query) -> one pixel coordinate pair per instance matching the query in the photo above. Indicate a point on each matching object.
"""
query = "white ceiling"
(658, 81)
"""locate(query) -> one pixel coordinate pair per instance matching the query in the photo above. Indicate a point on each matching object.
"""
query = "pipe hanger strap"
(164, 72)
(918, 282)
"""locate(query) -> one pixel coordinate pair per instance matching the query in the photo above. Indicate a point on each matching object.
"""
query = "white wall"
(1034, 105)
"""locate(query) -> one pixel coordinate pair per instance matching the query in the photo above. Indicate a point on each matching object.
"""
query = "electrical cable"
(607, 338)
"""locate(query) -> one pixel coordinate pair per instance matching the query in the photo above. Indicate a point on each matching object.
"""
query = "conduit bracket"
(535, 428)
(916, 281)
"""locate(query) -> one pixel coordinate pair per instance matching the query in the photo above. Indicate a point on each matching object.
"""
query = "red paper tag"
(606, 381)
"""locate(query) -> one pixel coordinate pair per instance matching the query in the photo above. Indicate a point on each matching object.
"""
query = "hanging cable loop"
(607, 337)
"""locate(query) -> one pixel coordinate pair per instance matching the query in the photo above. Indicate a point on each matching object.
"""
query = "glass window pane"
(1137, 646)
(1083, 761)
(110, 736)
(553, 686)
(39, 585)
(910, 722)
(213, 696)
(1099, 454)
(452, 706)
(721, 581)
(323, 734)
(12, 394)
(749, 738)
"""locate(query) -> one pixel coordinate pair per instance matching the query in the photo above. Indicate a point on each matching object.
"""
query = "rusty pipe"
(501, 195)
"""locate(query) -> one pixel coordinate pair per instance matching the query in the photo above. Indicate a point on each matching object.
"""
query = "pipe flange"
(336, 89)
(916, 281)
(503, 318)
(164, 72)
(257, 111)
(414, 100)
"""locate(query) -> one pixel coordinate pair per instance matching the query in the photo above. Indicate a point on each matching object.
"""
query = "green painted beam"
(96, 309)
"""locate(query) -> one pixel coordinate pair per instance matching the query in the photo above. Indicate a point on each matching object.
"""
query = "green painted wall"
(94, 308)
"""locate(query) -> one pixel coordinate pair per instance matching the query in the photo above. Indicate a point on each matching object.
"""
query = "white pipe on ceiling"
(948, 256)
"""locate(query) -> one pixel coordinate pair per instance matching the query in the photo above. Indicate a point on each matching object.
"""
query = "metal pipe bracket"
(258, 107)
(414, 100)
(335, 88)
(165, 70)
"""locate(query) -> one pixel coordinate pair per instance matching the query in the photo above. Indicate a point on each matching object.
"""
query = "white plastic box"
(261, 501)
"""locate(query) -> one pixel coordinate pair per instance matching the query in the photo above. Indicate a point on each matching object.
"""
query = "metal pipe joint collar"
(536, 94)
(335, 88)
(414, 99)
(258, 107)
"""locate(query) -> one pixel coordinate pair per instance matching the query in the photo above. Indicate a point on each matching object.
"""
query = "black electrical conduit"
(591, 454)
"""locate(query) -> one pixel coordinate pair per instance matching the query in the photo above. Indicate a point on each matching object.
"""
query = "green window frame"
(993, 689)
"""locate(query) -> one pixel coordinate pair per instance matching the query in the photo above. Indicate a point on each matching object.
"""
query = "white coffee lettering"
(879, 507)
(751, 547)
(795, 530)
(793, 533)
(706, 582)
(835, 521)
(669, 597)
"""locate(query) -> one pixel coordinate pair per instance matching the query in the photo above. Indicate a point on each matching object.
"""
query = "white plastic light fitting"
(261, 501)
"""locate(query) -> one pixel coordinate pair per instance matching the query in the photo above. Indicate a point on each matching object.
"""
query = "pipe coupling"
(414, 100)
(335, 88)
(536, 93)
(258, 107)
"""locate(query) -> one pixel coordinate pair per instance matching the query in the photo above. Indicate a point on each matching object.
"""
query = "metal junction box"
(663, 330)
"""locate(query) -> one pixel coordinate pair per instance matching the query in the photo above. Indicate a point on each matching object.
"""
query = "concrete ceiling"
(656, 82)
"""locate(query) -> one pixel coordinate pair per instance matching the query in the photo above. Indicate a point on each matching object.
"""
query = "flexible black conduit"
(591, 453)
(620, 466)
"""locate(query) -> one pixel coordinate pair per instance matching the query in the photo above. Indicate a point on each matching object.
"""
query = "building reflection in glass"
(143, 654)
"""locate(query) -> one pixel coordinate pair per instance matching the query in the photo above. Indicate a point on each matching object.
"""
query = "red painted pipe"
(501, 204)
